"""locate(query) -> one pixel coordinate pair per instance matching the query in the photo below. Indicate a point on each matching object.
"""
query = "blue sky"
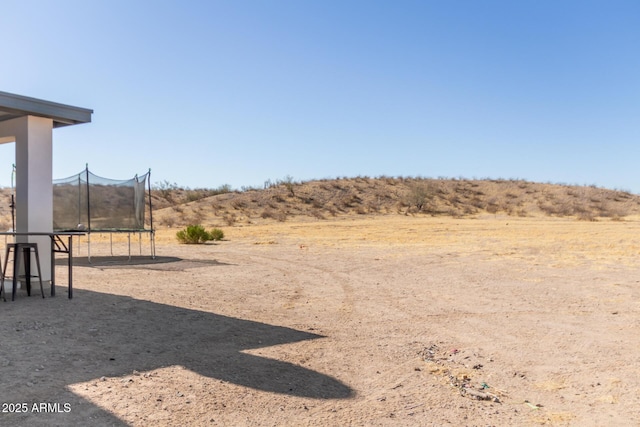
(236, 92)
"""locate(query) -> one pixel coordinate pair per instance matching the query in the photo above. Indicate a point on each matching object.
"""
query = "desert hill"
(323, 199)
(175, 206)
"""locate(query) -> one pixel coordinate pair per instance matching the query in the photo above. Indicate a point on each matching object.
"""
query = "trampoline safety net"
(88, 202)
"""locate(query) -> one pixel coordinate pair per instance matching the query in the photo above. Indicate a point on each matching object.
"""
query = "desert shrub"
(216, 234)
(492, 206)
(361, 210)
(454, 213)
(168, 221)
(469, 210)
(289, 184)
(196, 234)
(612, 210)
(166, 189)
(477, 202)
(195, 217)
(454, 199)
(230, 219)
(349, 201)
(586, 216)
(267, 213)
(316, 213)
(195, 195)
(191, 196)
(239, 204)
(374, 206)
(420, 195)
(277, 215)
(400, 206)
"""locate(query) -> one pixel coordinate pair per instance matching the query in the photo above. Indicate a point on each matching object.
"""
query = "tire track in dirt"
(305, 277)
(397, 389)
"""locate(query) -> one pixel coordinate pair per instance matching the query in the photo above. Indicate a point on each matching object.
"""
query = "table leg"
(53, 267)
(4, 272)
(70, 267)
(16, 269)
(26, 257)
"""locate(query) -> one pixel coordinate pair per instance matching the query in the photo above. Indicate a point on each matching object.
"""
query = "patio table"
(58, 245)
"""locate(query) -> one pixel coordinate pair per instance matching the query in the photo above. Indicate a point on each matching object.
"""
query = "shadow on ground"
(165, 263)
(101, 334)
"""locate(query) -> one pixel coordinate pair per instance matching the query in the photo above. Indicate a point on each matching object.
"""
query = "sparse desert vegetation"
(329, 198)
(196, 234)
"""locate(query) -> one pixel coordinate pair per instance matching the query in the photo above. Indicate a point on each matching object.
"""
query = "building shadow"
(99, 334)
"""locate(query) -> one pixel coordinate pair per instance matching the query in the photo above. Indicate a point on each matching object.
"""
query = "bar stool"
(23, 249)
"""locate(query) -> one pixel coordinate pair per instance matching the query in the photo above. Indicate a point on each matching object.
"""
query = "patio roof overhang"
(13, 106)
(29, 123)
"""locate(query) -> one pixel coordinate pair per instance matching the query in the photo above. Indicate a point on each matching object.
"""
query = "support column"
(34, 191)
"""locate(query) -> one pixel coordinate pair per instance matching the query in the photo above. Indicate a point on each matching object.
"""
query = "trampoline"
(93, 204)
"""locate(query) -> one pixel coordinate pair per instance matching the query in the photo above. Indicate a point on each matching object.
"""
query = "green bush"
(196, 234)
(216, 234)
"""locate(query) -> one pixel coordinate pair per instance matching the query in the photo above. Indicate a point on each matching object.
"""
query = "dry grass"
(327, 199)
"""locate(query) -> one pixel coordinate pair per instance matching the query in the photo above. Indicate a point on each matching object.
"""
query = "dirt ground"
(375, 321)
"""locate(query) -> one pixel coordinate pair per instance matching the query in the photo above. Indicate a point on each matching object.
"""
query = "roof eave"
(61, 114)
